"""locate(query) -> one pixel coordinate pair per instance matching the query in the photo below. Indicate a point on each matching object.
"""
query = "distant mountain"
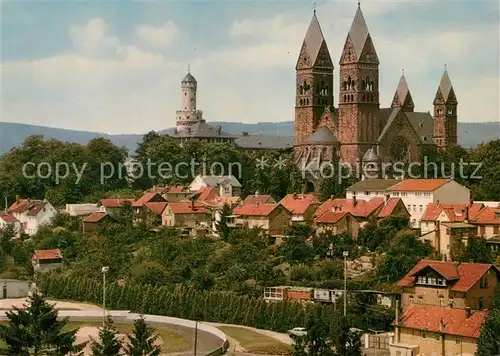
(13, 134)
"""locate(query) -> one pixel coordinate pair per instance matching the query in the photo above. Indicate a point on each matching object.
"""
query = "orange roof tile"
(487, 216)
(176, 189)
(454, 212)
(32, 206)
(8, 218)
(146, 197)
(362, 208)
(115, 202)
(156, 207)
(207, 193)
(298, 203)
(330, 217)
(389, 207)
(95, 217)
(186, 207)
(451, 321)
(47, 254)
(258, 198)
(418, 185)
(160, 190)
(255, 209)
(463, 275)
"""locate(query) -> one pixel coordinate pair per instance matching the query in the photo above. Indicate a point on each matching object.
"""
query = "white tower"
(188, 115)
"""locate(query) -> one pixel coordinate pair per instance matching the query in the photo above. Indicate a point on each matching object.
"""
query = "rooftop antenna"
(359, 3)
(314, 7)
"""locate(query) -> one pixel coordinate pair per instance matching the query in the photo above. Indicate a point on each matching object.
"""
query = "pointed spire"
(402, 97)
(358, 32)
(314, 39)
(445, 85)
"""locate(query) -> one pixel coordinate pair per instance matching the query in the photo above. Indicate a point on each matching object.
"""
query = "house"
(96, 220)
(32, 214)
(149, 208)
(259, 199)
(186, 214)
(176, 193)
(7, 219)
(487, 222)
(447, 226)
(81, 209)
(418, 193)
(47, 260)
(369, 188)
(433, 330)
(272, 218)
(450, 284)
(337, 223)
(216, 205)
(226, 185)
(302, 207)
(113, 206)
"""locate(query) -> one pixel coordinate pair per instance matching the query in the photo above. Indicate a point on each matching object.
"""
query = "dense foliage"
(489, 341)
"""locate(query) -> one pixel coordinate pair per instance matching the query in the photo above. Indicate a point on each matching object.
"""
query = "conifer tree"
(108, 343)
(35, 330)
(221, 225)
(141, 342)
(489, 339)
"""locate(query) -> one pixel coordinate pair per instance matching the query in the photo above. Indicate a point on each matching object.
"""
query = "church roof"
(358, 32)
(258, 141)
(402, 91)
(445, 85)
(371, 156)
(422, 123)
(314, 39)
(189, 78)
(202, 130)
(322, 136)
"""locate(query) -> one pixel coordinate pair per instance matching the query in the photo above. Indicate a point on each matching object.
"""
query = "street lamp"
(104, 270)
(345, 254)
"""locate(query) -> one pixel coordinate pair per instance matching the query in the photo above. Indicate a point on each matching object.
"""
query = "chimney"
(192, 204)
(387, 197)
(294, 195)
(468, 311)
(18, 198)
(332, 197)
(438, 234)
(466, 219)
(354, 201)
(257, 193)
(437, 202)
(471, 202)
(396, 329)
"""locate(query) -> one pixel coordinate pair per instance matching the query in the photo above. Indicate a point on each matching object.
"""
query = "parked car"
(298, 332)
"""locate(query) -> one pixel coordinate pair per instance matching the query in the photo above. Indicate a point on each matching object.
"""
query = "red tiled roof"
(207, 193)
(256, 199)
(47, 254)
(8, 218)
(146, 197)
(160, 190)
(361, 209)
(32, 206)
(95, 217)
(450, 321)
(418, 185)
(487, 216)
(298, 203)
(466, 274)
(220, 201)
(115, 202)
(330, 217)
(176, 189)
(186, 207)
(454, 212)
(389, 207)
(255, 209)
(156, 207)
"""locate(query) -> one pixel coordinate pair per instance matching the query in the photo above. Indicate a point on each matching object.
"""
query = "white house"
(7, 219)
(370, 188)
(81, 209)
(32, 214)
(227, 186)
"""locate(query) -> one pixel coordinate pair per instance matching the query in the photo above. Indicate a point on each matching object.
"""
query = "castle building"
(359, 128)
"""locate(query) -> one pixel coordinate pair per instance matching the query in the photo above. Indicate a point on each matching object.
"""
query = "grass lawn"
(172, 342)
(255, 342)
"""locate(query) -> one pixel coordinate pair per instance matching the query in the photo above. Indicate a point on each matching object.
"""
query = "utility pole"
(345, 254)
(104, 270)
(195, 336)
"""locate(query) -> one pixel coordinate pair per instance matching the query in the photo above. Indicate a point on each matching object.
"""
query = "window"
(441, 301)
(458, 340)
(496, 229)
(482, 230)
(480, 303)
(420, 300)
(410, 299)
(404, 194)
(483, 283)
(421, 208)
(451, 302)
(367, 193)
(395, 194)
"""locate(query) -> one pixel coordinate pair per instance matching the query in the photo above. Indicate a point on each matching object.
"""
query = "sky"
(116, 67)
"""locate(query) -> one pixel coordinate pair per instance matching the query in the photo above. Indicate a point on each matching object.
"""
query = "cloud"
(157, 37)
(91, 39)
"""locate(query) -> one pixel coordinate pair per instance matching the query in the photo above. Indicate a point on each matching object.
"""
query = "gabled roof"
(115, 202)
(298, 203)
(32, 207)
(418, 185)
(8, 218)
(358, 33)
(452, 321)
(423, 124)
(156, 207)
(187, 207)
(322, 136)
(373, 185)
(96, 217)
(214, 181)
(314, 40)
(258, 198)
(487, 216)
(176, 189)
(207, 193)
(47, 254)
(361, 208)
(464, 275)
(146, 197)
(330, 217)
(454, 212)
(389, 207)
(255, 209)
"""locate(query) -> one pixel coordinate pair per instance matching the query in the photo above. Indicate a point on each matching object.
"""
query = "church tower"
(402, 98)
(445, 114)
(188, 115)
(359, 92)
(314, 83)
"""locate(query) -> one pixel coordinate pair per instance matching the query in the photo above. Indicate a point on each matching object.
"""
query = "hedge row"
(212, 306)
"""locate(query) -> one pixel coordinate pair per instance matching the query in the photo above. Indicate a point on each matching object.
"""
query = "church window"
(364, 97)
(345, 98)
(307, 101)
(450, 111)
(353, 85)
(352, 98)
(185, 93)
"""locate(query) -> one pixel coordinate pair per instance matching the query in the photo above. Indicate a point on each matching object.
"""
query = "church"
(358, 130)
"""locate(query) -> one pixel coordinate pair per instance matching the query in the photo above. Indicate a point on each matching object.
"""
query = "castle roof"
(189, 79)
(322, 136)
(358, 33)
(314, 39)
(202, 130)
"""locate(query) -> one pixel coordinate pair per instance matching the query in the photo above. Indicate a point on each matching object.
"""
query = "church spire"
(312, 45)
(445, 86)
(359, 45)
(402, 97)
